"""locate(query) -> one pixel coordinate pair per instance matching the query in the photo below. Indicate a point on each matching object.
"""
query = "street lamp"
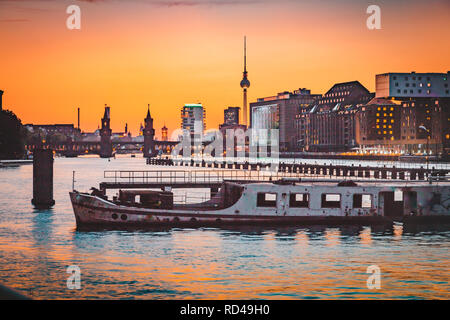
(428, 147)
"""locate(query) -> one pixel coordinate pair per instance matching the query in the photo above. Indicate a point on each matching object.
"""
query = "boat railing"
(185, 198)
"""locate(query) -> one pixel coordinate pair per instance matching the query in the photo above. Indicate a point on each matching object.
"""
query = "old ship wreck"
(281, 202)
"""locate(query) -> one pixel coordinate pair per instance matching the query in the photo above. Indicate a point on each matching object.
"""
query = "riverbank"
(14, 163)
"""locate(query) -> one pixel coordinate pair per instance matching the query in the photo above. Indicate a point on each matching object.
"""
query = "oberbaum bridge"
(105, 145)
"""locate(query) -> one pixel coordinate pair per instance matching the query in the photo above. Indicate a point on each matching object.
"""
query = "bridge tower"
(149, 136)
(105, 135)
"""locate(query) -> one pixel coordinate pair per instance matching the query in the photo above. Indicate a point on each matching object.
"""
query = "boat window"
(266, 199)
(299, 200)
(331, 200)
(398, 195)
(362, 201)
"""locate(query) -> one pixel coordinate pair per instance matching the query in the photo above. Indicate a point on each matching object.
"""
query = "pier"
(384, 172)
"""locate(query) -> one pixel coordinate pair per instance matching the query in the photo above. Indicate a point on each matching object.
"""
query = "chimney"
(78, 118)
(1, 100)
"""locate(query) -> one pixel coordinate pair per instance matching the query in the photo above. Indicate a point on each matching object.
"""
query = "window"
(398, 195)
(299, 200)
(330, 200)
(362, 201)
(266, 199)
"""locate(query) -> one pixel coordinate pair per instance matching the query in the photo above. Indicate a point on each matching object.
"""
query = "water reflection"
(332, 236)
(302, 239)
(205, 263)
(42, 226)
(398, 232)
(365, 236)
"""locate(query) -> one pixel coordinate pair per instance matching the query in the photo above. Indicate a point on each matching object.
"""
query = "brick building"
(329, 124)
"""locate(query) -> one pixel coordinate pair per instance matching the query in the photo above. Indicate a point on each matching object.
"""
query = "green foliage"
(12, 136)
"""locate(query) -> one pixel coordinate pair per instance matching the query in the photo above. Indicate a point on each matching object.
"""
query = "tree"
(12, 136)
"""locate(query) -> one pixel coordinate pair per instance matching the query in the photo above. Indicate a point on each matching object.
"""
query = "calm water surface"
(36, 247)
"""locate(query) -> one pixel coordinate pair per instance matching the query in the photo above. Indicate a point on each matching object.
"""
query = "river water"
(37, 246)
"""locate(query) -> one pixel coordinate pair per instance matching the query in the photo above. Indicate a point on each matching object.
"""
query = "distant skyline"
(168, 53)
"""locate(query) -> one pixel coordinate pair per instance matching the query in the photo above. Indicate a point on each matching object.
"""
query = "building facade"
(329, 124)
(231, 116)
(417, 85)
(67, 130)
(193, 118)
(279, 112)
(420, 105)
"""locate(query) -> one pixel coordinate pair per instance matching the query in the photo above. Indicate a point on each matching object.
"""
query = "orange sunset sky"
(168, 53)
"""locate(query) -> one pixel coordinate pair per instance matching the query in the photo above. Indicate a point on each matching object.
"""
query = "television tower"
(245, 83)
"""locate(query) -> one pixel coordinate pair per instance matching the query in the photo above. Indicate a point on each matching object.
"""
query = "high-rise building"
(421, 104)
(245, 84)
(412, 85)
(1, 100)
(231, 116)
(193, 118)
(278, 112)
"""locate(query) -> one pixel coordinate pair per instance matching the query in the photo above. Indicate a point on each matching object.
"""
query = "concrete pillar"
(43, 178)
